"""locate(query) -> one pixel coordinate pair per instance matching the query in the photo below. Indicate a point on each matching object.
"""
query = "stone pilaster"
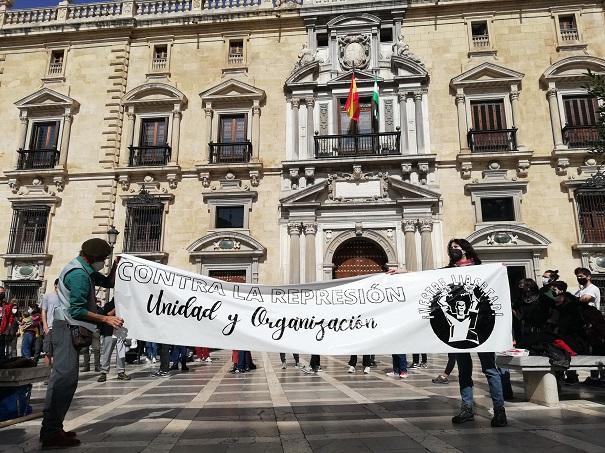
(462, 125)
(176, 137)
(294, 230)
(295, 103)
(403, 122)
(64, 147)
(426, 243)
(310, 140)
(310, 260)
(419, 122)
(555, 119)
(409, 232)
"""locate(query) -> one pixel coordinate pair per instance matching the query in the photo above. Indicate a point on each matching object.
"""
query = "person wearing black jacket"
(530, 311)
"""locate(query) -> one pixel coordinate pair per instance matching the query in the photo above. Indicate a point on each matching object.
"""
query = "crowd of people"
(72, 326)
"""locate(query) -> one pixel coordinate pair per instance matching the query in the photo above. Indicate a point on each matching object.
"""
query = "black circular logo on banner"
(462, 315)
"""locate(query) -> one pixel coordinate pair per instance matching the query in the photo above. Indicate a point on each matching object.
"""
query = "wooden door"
(358, 257)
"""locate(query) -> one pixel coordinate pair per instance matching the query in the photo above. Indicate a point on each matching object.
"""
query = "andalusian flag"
(352, 105)
(375, 101)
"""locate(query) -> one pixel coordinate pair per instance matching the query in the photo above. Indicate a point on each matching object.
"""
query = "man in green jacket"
(76, 308)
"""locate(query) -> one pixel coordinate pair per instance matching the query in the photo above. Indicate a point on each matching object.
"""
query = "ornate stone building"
(212, 135)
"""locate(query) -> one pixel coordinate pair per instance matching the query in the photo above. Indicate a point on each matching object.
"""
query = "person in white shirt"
(49, 302)
(588, 293)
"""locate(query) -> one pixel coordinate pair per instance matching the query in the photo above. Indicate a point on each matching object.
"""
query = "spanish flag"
(352, 105)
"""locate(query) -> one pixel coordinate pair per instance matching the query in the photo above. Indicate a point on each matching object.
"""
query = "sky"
(21, 4)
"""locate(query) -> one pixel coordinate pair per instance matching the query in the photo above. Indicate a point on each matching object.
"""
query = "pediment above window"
(225, 244)
(231, 91)
(487, 75)
(46, 99)
(408, 69)
(302, 75)
(507, 237)
(361, 77)
(573, 69)
(153, 94)
(354, 21)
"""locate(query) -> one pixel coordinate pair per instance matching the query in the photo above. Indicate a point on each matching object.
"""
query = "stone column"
(67, 120)
(403, 123)
(310, 264)
(426, 243)
(555, 119)
(294, 232)
(514, 104)
(127, 134)
(295, 127)
(21, 135)
(310, 140)
(419, 122)
(256, 131)
(176, 137)
(409, 231)
(206, 148)
(462, 126)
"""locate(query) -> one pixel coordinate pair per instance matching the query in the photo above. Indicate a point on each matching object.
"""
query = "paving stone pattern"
(272, 410)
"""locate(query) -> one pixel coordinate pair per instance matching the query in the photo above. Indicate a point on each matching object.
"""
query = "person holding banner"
(461, 253)
(74, 320)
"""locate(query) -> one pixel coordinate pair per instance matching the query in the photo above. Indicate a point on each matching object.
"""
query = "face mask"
(456, 255)
(98, 265)
(545, 281)
(30, 310)
(582, 281)
(14, 310)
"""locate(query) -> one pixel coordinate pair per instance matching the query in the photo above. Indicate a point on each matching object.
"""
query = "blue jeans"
(243, 360)
(179, 354)
(27, 344)
(151, 350)
(400, 363)
(465, 379)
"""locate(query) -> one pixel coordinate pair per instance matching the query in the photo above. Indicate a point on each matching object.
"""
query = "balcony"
(481, 41)
(149, 156)
(230, 153)
(569, 35)
(374, 144)
(580, 136)
(492, 141)
(36, 159)
(159, 64)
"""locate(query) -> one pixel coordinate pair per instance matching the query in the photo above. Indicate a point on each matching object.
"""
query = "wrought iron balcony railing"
(580, 136)
(32, 159)
(144, 156)
(374, 144)
(493, 141)
(230, 153)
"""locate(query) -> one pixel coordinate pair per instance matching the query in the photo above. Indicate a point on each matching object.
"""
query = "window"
(233, 145)
(480, 34)
(581, 118)
(143, 232)
(55, 66)
(501, 209)
(229, 217)
(591, 215)
(232, 128)
(25, 294)
(44, 136)
(236, 52)
(366, 123)
(488, 115)
(160, 57)
(322, 40)
(28, 230)
(152, 149)
(568, 28)
(386, 34)
(488, 132)
(153, 131)
(229, 275)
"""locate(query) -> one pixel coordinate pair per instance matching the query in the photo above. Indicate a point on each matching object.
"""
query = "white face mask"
(545, 281)
(14, 310)
(98, 265)
(30, 310)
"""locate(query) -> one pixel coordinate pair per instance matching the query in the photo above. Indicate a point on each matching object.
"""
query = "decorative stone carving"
(425, 225)
(294, 229)
(310, 228)
(358, 229)
(368, 186)
(13, 185)
(423, 170)
(401, 49)
(294, 177)
(323, 118)
(172, 179)
(25, 271)
(596, 262)
(254, 176)
(409, 225)
(388, 115)
(305, 57)
(502, 238)
(354, 51)
(466, 168)
(226, 244)
(562, 165)
(310, 174)
(328, 235)
(59, 183)
(406, 168)
(522, 168)
(205, 178)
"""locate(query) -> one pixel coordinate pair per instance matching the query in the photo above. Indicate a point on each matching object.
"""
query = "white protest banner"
(445, 310)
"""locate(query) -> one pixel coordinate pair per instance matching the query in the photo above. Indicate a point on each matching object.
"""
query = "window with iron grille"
(143, 232)
(28, 230)
(24, 293)
(591, 215)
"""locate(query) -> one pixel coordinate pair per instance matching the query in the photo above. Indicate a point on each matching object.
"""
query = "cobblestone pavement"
(273, 410)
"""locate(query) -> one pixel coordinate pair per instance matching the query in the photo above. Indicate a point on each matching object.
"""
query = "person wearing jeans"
(400, 366)
(151, 351)
(27, 343)
(243, 361)
(179, 354)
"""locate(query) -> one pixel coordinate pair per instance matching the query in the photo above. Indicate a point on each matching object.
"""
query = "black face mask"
(582, 281)
(456, 255)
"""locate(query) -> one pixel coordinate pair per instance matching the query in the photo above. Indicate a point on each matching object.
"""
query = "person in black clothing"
(530, 311)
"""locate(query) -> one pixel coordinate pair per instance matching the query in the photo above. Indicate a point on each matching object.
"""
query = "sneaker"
(424, 365)
(198, 360)
(102, 378)
(237, 371)
(465, 415)
(499, 419)
(123, 377)
(366, 370)
(351, 369)
(308, 370)
(318, 369)
(414, 365)
(160, 373)
(60, 440)
(296, 365)
(283, 365)
(153, 360)
(440, 379)
(392, 374)
(208, 360)
(403, 375)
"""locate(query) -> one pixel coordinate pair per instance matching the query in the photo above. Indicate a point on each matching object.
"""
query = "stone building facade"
(211, 134)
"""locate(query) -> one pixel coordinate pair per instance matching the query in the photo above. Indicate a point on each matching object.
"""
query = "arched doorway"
(358, 256)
